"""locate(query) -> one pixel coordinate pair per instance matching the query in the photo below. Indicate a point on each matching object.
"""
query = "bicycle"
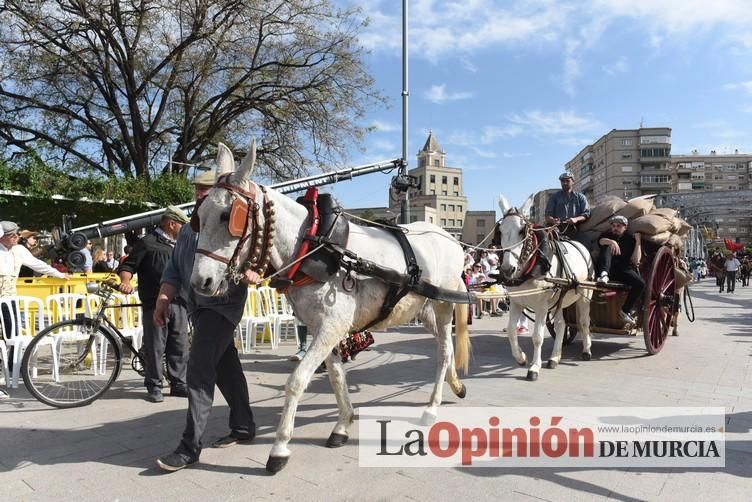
(72, 363)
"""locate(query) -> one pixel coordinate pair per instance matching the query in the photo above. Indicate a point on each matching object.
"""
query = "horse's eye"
(225, 216)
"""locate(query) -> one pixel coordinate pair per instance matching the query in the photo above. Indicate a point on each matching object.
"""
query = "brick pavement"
(106, 451)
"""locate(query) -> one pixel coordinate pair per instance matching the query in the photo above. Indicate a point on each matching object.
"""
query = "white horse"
(328, 309)
(529, 289)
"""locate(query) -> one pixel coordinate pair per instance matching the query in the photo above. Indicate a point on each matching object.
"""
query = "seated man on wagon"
(620, 258)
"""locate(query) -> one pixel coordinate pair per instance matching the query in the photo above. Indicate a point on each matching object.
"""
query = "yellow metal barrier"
(42, 287)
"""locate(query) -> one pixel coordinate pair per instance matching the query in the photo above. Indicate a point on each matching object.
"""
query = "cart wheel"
(659, 301)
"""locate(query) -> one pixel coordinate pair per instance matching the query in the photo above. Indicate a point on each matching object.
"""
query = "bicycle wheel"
(71, 363)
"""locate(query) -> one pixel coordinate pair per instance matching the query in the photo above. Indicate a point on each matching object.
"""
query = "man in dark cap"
(619, 258)
(148, 259)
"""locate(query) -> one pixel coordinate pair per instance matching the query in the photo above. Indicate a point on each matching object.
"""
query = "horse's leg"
(559, 329)
(320, 348)
(336, 372)
(583, 325)
(441, 324)
(515, 310)
(537, 335)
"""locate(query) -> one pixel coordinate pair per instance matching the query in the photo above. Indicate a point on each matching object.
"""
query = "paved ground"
(107, 451)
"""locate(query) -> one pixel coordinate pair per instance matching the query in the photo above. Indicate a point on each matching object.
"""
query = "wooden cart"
(658, 307)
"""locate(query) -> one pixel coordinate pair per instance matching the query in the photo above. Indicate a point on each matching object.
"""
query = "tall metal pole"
(405, 202)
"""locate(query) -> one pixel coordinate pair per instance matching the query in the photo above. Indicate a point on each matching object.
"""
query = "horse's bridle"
(244, 222)
(526, 256)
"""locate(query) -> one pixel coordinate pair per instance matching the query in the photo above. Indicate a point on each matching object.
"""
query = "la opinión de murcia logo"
(566, 437)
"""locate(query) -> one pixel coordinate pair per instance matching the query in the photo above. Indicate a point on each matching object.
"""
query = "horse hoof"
(276, 464)
(675, 333)
(336, 440)
(552, 364)
(532, 376)
(462, 393)
(586, 356)
(428, 418)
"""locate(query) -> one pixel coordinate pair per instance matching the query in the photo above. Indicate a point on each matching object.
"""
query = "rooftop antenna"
(641, 122)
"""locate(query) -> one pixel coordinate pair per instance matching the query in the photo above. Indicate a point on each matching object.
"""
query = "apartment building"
(625, 163)
(634, 162)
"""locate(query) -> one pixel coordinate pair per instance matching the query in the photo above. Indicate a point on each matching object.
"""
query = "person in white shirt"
(12, 258)
(731, 265)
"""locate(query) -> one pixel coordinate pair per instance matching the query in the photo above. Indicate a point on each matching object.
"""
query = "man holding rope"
(567, 208)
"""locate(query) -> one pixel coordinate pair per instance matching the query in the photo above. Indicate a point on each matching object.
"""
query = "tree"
(114, 87)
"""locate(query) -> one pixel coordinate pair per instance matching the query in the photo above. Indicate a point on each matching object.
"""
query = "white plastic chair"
(67, 306)
(4, 361)
(25, 322)
(280, 312)
(260, 317)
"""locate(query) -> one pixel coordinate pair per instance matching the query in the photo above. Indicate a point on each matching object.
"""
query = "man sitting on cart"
(620, 258)
(567, 208)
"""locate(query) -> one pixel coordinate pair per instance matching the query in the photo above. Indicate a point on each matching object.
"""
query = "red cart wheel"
(659, 300)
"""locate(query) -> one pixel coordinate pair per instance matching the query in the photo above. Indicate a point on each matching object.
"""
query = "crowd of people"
(729, 269)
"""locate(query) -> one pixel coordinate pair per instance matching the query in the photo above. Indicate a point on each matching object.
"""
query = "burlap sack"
(666, 212)
(601, 212)
(681, 227)
(660, 238)
(650, 224)
(636, 208)
(675, 242)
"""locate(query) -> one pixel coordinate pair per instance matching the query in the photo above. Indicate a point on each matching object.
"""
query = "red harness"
(310, 201)
(535, 255)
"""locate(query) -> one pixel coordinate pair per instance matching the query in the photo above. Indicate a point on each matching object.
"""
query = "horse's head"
(514, 233)
(225, 223)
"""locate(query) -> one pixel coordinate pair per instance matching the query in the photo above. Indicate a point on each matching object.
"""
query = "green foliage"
(107, 198)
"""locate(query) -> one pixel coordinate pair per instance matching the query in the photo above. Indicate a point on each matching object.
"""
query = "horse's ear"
(245, 171)
(225, 160)
(503, 205)
(525, 209)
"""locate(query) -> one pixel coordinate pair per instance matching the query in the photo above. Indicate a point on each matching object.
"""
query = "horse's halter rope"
(261, 234)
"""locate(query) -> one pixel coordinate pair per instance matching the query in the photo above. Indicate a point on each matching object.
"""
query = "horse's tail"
(462, 341)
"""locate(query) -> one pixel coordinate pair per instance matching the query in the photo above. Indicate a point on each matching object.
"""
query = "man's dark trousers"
(172, 339)
(624, 273)
(730, 281)
(214, 360)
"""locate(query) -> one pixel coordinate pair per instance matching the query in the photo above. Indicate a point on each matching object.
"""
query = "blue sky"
(513, 90)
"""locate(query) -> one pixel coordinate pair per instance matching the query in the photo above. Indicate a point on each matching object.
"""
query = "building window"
(628, 195)
(451, 207)
(626, 142)
(443, 192)
(451, 223)
(459, 208)
(480, 223)
(646, 140)
(443, 207)
(456, 181)
(626, 156)
(456, 194)
(433, 192)
(436, 163)
(430, 219)
(443, 180)
(459, 223)
(655, 179)
(433, 178)
(626, 169)
(443, 222)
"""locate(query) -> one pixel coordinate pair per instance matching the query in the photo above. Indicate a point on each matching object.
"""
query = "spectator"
(88, 265)
(149, 259)
(127, 250)
(112, 263)
(28, 239)
(100, 262)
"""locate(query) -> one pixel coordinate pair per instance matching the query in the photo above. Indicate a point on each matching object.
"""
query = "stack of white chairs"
(65, 306)
(259, 316)
(27, 320)
(281, 313)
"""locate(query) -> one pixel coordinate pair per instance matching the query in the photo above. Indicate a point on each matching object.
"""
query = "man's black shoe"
(230, 440)
(175, 461)
(155, 395)
(179, 391)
